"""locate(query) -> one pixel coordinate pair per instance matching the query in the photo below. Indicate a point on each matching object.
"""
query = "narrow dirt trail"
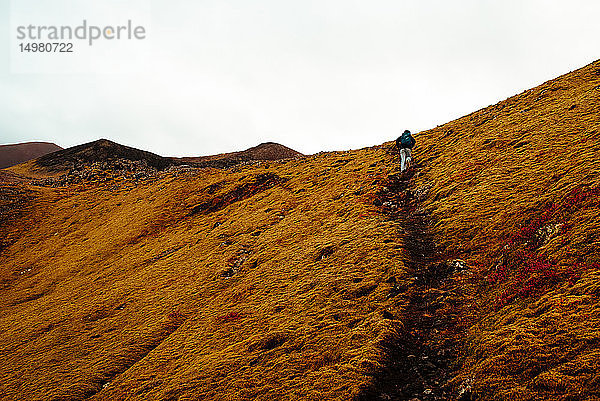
(421, 363)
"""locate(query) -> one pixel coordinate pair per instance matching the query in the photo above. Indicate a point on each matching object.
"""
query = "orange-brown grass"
(271, 281)
(219, 284)
(515, 192)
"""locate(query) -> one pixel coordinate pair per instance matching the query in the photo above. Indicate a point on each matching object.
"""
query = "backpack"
(407, 141)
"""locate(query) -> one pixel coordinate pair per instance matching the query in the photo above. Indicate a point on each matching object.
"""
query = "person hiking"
(404, 144)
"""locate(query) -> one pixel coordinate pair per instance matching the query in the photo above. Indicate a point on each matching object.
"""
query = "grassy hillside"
(515, 194)
(300, 280)
(267, 281)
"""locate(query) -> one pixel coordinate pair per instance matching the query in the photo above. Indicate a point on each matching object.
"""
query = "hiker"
(404, 144)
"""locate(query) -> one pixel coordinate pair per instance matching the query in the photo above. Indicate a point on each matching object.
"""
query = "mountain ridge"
(73, 164)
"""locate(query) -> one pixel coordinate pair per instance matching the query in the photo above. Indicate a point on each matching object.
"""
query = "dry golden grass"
(515, 194)
(271, 281)
(140, 292)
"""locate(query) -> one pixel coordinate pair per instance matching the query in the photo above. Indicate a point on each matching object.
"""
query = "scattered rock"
(457, 265)
(109, 170)
(324, 252)
(547, 232)
(422, 192)
(465, 391)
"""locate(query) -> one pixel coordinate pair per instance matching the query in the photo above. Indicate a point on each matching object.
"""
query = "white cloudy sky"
(223, 75)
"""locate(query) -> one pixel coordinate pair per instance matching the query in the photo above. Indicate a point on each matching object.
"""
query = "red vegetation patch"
(230, 317)
(525, 270)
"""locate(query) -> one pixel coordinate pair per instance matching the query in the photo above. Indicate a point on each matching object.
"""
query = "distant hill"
(11, 155)
(264, 151)
(101, 150)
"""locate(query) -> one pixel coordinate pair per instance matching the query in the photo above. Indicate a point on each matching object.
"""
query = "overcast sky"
(221, 75)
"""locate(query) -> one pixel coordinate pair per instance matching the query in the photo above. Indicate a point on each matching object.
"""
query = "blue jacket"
(405, 140)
